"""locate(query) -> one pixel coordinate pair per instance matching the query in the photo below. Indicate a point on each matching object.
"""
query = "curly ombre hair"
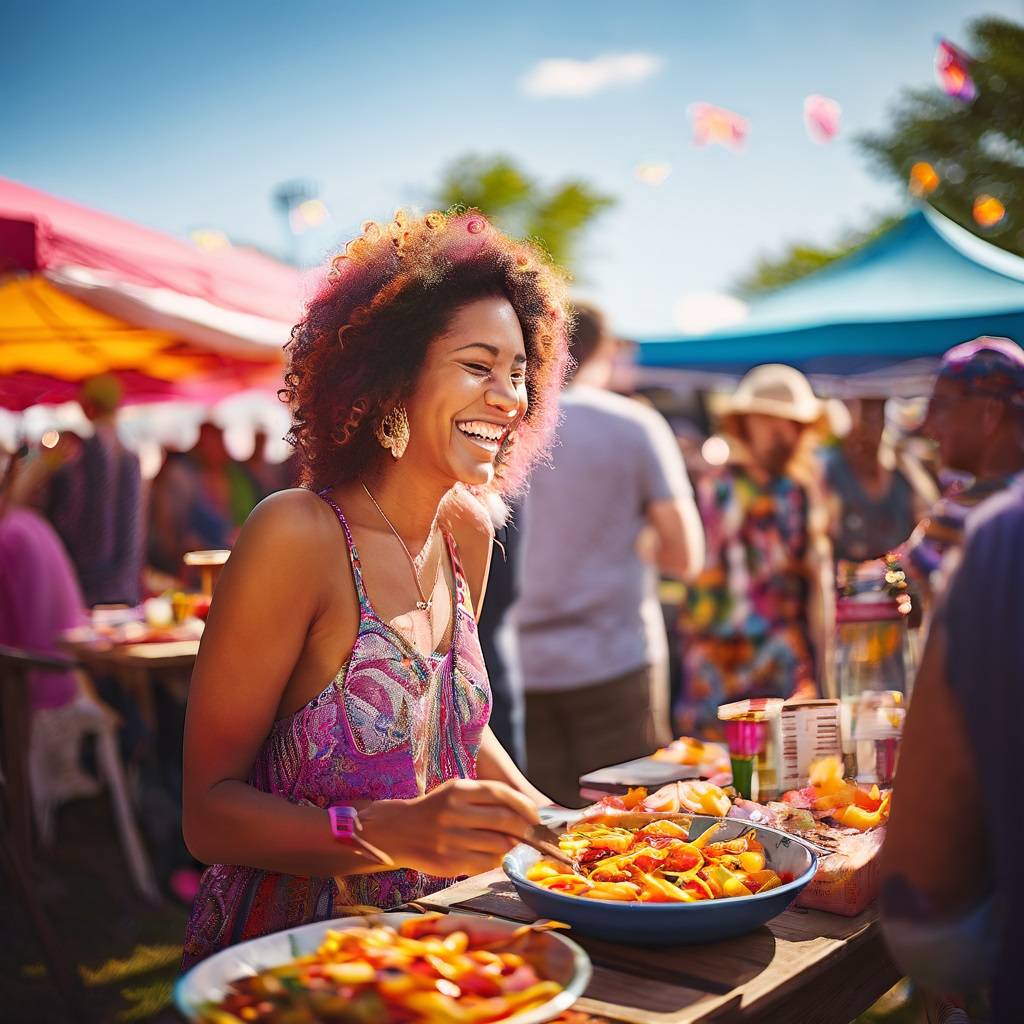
(361, 345)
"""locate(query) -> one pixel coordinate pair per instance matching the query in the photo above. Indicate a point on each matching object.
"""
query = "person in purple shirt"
(39, 595)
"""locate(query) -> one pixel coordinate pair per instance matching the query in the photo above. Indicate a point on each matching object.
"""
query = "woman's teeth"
(486, 435)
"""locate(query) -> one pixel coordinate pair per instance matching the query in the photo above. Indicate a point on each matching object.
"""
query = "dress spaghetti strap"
(353, 554)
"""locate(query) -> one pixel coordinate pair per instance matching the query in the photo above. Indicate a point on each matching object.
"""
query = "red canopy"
(40, 232)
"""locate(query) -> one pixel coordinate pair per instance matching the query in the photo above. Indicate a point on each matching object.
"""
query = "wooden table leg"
(139, 685)
(16, 715)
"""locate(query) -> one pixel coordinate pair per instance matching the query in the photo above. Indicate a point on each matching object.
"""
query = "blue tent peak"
(915, 291)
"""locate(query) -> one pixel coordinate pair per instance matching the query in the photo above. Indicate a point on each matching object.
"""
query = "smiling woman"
(337, 751)
(368, 332)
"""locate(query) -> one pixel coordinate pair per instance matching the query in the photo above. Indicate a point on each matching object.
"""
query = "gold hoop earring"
(392, 431)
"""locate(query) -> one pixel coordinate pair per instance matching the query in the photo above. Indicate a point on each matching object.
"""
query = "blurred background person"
(878, 495)
(757, 621)
(614, 505)
(39, 599)
(971, 419)
(200, 498)
(498, 643)
(955, 931)
(94, 500)
(266, 477)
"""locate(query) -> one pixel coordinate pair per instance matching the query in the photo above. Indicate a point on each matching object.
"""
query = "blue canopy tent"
(888, 310)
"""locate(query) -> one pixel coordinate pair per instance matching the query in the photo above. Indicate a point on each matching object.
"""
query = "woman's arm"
(269, 599)
(266, 603)
(494, 763)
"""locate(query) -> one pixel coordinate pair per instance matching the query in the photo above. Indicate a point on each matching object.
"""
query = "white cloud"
(703, 312)
(563, 76)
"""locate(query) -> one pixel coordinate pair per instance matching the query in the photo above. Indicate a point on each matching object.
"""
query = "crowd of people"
(456, 433)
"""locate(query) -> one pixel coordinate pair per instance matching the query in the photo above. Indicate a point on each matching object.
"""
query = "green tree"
(976, 148)
(798, 259)
(555, 216)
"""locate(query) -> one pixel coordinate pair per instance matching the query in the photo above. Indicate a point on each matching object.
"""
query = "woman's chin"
(473, 473)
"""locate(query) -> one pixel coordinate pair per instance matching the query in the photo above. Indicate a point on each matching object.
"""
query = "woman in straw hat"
(756, 622)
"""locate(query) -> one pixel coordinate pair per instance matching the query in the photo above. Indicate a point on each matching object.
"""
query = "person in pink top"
(39, 592)
(337, 751)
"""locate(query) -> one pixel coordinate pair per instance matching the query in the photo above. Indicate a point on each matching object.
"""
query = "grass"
(127, 953)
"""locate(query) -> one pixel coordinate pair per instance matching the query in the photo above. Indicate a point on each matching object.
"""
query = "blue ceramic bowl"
(668, 924)
(562, 960)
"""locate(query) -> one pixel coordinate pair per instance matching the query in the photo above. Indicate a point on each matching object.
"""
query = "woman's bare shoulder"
(294, 524)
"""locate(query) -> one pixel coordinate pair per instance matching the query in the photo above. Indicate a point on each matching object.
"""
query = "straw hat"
(772, 389)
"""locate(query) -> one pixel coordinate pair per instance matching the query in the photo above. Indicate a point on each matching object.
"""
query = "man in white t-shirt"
(614, 507)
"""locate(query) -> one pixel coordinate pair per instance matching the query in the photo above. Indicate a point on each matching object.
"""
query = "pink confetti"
(717, 126)
(952, 68)
(821, 118)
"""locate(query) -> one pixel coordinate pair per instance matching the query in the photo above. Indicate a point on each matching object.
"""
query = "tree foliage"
(976, 148)
(556, 216)
(802, 258)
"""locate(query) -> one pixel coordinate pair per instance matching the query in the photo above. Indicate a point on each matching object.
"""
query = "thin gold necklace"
(424, 603)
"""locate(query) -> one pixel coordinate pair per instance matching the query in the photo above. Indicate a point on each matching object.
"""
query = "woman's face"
(471, 392)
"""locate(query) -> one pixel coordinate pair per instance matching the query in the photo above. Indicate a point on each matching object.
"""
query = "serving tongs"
(795, 837)
(545, 840)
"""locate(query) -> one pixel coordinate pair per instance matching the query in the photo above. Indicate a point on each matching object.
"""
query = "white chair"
(56, 775)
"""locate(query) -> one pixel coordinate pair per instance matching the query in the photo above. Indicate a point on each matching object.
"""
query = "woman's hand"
(464, 827)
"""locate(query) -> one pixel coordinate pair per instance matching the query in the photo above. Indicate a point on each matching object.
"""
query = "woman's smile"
(484, 433)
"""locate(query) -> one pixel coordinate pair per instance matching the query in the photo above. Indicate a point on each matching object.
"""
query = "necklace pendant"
(423, 606)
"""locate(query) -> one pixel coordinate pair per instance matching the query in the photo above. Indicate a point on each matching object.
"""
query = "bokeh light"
(988, 211)
(703, 312)
(310, 213)
(652, 174)
(715, 451)
(924, 179)
(210, 238)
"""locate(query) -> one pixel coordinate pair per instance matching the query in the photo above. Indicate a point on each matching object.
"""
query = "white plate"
(207, 982)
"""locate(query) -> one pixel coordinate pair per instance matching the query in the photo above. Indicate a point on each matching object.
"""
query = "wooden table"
(804, 967)
(134, 664)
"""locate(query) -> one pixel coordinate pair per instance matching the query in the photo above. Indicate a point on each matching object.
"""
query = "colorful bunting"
(952, 68)
(821, 118)
(717, 126)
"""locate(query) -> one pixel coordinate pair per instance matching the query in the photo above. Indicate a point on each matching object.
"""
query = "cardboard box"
(847, 881)
(808, 730)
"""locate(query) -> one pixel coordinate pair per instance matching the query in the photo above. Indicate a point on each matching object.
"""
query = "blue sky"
(186, 114)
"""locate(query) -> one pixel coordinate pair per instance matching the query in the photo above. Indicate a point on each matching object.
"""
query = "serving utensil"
(545, 840)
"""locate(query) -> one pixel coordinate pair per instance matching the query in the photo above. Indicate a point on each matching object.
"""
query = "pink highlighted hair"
(361, 344)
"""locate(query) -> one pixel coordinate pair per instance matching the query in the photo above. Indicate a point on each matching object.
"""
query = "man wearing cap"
(971, 417)
(756, 622)
(951, 898)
